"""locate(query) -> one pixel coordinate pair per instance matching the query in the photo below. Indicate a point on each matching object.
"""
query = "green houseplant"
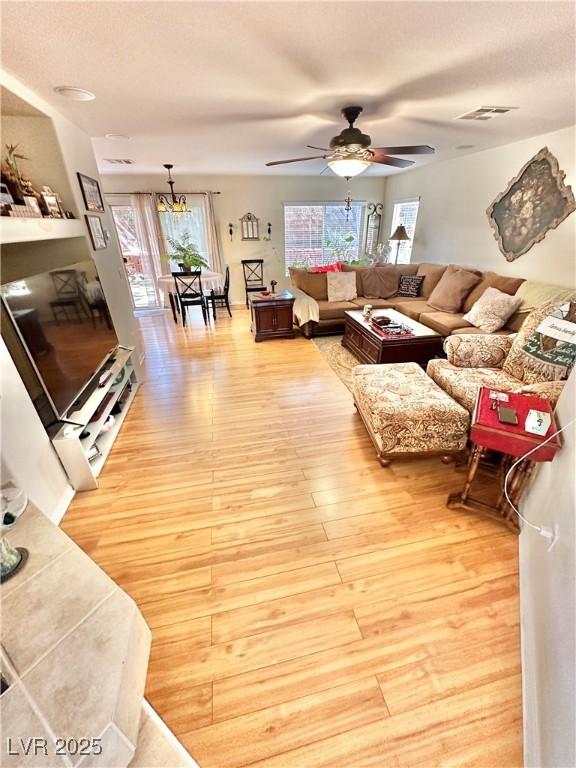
(185, 252)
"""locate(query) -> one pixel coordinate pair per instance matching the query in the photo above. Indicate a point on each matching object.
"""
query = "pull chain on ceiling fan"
(350, 153)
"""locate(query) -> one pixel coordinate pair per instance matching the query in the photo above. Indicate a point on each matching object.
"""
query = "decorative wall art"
(535, 201)
(91, 193)
(96, 232)
(373, 224)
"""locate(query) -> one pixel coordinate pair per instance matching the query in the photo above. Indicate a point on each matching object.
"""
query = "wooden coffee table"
(370, 347)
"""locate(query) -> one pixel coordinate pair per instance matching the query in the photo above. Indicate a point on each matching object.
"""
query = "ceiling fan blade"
(416, 149)
(297, 160)
(323, 149)
(397, 162)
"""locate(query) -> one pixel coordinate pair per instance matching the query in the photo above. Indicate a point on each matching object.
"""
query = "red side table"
(489, 434)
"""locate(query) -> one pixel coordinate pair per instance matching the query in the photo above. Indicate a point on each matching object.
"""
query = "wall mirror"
(249, 224)
(373, 225)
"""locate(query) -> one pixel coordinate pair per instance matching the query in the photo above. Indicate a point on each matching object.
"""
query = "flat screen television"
(65, 324)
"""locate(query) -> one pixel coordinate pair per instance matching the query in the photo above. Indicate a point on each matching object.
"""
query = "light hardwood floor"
(308, 607)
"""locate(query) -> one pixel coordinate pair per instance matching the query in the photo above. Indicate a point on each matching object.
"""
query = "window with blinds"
(405, 212)
(316, 234)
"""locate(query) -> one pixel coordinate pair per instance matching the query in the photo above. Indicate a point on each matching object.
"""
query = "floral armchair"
(476, 360)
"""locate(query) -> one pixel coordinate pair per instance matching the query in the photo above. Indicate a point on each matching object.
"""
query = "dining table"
(210, 281)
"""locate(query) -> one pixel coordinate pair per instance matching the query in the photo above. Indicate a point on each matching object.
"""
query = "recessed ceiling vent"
(118, 161)
(484, 113)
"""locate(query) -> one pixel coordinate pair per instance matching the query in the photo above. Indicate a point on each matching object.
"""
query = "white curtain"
(148, 232)
(199, 223)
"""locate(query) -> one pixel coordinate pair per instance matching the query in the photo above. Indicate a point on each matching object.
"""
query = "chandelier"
(174, 203)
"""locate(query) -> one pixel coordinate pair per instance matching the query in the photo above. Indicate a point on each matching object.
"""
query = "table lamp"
(399, 235)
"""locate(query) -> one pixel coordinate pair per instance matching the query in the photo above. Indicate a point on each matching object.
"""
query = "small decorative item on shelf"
(14, 502)
(91, 193)
(32, 208)
(273, 284)
(250, 230)
(367, 312)
(51, 204)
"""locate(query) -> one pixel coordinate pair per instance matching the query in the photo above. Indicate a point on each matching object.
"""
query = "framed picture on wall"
(91, 193)
(96, 232)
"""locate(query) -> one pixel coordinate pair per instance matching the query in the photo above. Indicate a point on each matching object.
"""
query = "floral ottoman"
(407, 414)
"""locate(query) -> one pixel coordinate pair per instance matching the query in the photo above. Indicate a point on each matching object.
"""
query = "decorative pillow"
(545, 347)
(492, 310)
(507, 285)
(327, 268)
(452, 289)
(431, 274)
(410, 285)
(341, 286)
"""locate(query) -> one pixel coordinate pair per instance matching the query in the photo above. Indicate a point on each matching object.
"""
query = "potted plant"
(185, 252)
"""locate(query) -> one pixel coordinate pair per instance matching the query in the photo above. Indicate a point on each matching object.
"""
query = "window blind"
(316, 234)
(405, 212)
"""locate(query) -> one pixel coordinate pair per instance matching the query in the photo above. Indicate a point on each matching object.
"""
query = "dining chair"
(253, 276)
(221, 299)
(68, 296)
(189, 293)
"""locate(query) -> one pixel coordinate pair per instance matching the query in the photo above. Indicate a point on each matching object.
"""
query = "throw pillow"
(452, 289)
(545, 347)
(410, 285)
(507, 285)
(492, 310)
(431, 274)
(327, 268)
(341, 286)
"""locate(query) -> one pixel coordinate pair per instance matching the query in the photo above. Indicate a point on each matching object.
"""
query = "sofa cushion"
(380, 282)
(537, 354)
(452, 289)
(492, 310)
(334, 310)
(361, 301)
(341, 286)
(492, 280)
(432, 274)
(336, 267)
(358, 269)
(463, 384)
(411, 307)
(444, 323)
(315, 284)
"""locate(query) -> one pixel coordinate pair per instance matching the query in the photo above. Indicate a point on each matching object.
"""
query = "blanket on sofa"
(305, 307)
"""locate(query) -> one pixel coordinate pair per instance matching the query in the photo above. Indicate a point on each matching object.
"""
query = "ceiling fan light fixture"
(348, 168)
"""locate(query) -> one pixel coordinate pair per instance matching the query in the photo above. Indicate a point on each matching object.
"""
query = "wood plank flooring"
(308, 607)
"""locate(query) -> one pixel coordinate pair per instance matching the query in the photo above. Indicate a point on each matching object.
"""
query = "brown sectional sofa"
(331, 314)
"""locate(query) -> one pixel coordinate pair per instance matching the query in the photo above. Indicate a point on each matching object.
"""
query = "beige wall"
(452, 224)
(261, 195)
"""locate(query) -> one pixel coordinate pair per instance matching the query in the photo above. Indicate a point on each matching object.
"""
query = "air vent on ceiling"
(118, 161)
(484, 113)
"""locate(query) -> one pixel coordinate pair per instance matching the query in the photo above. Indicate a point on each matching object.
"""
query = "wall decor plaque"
(535, 201)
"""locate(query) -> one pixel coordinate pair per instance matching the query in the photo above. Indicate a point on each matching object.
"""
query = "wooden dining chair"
(253, 276)
(189, 293)
(221, 299)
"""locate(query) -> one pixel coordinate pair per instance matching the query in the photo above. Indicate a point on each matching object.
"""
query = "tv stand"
(86, 436)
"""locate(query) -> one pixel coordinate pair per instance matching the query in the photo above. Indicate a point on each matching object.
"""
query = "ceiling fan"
(350, 152)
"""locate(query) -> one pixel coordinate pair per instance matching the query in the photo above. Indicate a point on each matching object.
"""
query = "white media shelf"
(74, 450)
(22, 230)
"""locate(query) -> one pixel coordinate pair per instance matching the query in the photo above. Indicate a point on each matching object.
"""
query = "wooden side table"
(489, 434)
(272, 316)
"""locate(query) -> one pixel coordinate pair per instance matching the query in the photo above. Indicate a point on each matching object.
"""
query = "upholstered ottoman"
(407, 414)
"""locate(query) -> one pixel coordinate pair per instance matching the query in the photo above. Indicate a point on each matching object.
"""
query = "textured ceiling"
(222, 87)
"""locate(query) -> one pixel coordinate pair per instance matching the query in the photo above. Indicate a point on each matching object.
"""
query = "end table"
(272, 315)
(489, 434)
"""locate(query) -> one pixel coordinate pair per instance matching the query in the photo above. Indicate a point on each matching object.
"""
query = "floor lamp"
(399, 235)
